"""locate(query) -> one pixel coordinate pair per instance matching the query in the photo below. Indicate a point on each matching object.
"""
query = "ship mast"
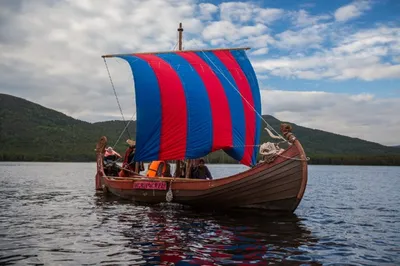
(188, 161)
(180, 48)
(180, 32)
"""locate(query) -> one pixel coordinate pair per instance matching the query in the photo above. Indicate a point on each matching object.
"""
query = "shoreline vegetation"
(33, 133)
(390, 160)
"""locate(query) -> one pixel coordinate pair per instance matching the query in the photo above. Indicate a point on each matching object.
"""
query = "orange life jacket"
(157, 168)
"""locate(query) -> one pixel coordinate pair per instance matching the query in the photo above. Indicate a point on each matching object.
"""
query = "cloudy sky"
(330, 65)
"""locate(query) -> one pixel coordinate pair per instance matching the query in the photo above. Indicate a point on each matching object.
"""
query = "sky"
(329, 65)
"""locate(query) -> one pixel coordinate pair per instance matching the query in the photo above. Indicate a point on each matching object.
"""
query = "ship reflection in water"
(165, 234)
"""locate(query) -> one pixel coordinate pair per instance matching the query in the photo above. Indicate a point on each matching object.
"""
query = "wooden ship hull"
(277, 186)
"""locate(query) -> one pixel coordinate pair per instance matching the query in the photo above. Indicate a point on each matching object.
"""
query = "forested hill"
(31, 132)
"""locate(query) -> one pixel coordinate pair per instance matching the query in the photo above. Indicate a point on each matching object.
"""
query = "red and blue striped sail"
(191, 103)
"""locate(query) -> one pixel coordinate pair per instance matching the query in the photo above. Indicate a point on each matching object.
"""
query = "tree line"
(214, 158)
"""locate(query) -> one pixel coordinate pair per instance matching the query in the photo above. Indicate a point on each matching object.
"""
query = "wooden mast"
(178, 170)
(180, 32)
(180, 48)
(189, 162)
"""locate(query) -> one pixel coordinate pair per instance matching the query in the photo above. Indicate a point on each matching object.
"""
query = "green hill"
(31, 132)
(330, 148)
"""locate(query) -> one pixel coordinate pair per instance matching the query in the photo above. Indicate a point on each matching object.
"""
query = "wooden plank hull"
(272, 187)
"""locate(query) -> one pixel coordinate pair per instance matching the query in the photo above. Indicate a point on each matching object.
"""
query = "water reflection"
(164, 234)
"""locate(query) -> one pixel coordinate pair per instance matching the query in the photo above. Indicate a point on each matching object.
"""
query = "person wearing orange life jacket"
(159, 169)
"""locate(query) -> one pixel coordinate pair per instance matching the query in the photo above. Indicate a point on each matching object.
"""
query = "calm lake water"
(51, 215)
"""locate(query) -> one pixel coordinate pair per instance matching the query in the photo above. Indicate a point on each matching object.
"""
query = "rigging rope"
(116, 97)
(220, 71)
(115, 144)
(176, 44)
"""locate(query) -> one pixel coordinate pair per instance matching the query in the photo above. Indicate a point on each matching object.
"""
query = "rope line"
(115, 144)
(115, 93)
(220, 71)
(176, 44)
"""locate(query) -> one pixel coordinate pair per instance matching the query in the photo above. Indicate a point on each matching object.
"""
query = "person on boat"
(201, 171)
(110, 166)
(159, 169)
(180, 170)
(167, 172)
(128, 165)
(110, 155)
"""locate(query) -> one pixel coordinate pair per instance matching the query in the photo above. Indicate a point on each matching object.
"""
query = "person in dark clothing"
(181, 169)
(110, 165)
(128, 165)
(167, 169)
(201, 171)
(110, 156)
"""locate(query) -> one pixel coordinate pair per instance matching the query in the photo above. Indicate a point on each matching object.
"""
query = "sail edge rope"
(123, 131)
(116, 96)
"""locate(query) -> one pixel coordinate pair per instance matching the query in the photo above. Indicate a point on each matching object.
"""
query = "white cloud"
(362, 97)
(230, 33)
(362, 116)
(366, 39)
(244, 12)
(359, 55)
(267, 15)
(310, 37)
(260, 51)
(259, 41)
(368, 73)
(302, 18)
(236, 12)
(207, 10)
(354, 10)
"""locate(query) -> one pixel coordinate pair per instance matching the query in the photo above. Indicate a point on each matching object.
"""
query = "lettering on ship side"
(150, 185)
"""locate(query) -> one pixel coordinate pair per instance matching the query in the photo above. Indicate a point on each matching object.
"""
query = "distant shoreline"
(316, 161)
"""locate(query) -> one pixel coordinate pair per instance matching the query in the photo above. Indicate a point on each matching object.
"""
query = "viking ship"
(190, 103)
